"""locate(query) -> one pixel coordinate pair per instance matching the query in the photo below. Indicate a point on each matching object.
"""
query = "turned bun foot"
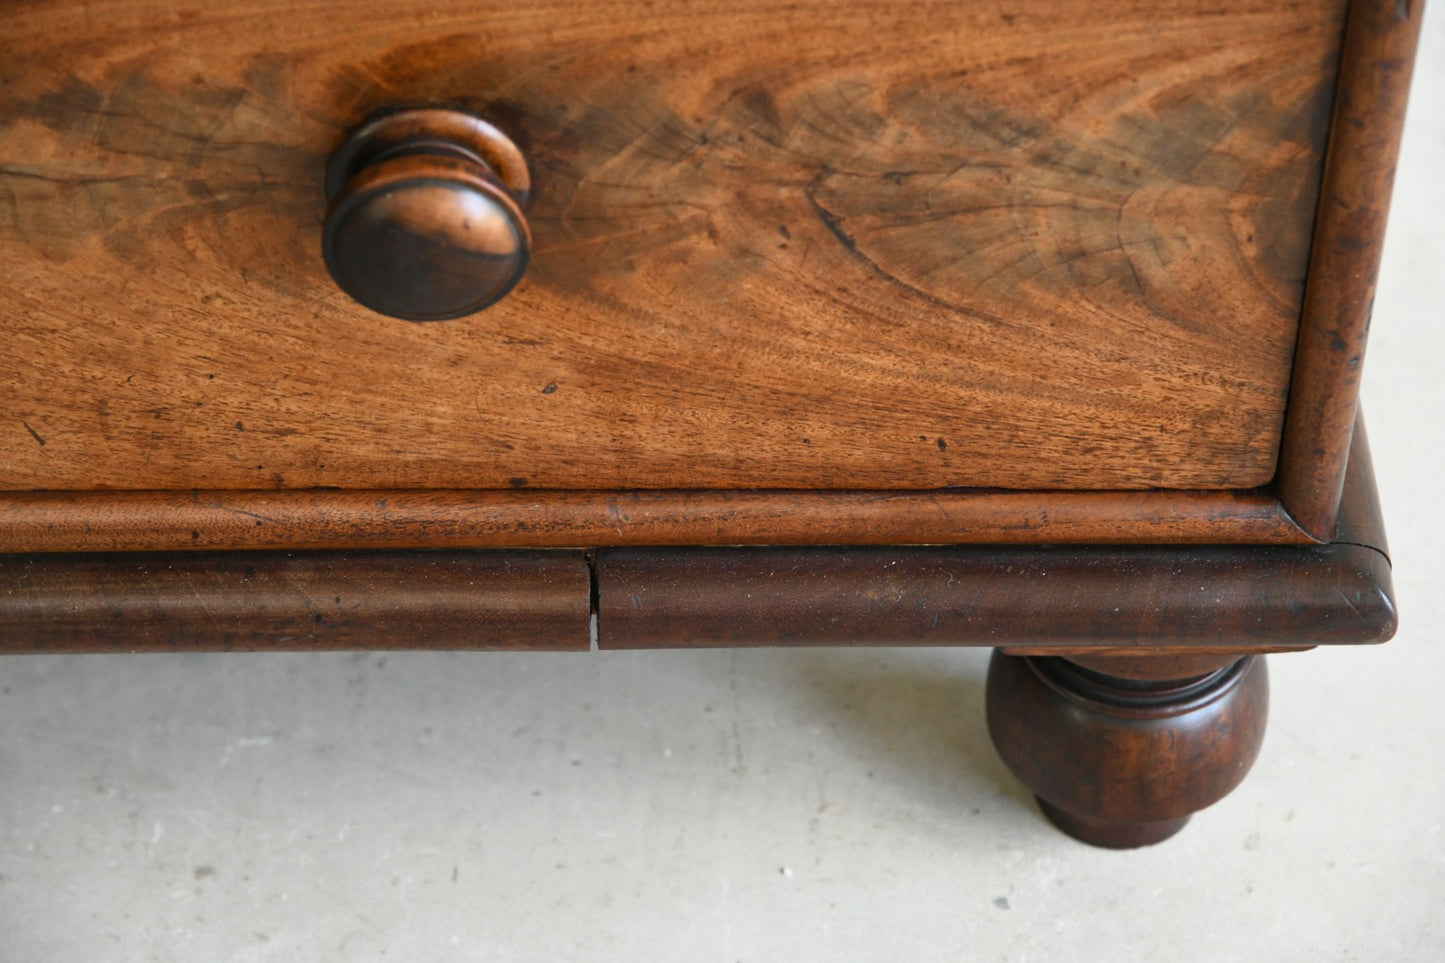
(1123, 762)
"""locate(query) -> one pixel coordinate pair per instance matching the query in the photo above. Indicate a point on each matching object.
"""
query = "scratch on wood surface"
(1353, 608)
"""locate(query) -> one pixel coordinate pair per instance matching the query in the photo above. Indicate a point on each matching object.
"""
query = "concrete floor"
(732, 806)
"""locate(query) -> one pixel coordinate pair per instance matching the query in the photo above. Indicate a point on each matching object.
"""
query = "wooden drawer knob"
(425, 218)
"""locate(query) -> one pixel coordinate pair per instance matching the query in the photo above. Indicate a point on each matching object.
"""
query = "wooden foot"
(1123, 759)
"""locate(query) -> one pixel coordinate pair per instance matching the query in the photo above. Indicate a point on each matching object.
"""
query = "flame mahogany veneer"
(842, 322)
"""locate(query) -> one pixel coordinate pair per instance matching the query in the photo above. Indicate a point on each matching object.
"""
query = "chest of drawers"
(986, 323)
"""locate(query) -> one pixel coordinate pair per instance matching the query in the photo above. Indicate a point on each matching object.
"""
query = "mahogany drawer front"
(815, 245)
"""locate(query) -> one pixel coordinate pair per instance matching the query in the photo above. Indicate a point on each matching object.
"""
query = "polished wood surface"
(1185, 603)
(1118, 764)
(1175, 601)
(810, 245)
(1045, 600)
(1374, 83)
(1015, 323)
(426, 220)
(182, 521)
(275, 601)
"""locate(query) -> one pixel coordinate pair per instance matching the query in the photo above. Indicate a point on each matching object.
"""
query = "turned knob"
(425, 219)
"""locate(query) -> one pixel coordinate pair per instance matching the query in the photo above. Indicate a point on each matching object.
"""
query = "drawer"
(997, 244)
(1033, 324)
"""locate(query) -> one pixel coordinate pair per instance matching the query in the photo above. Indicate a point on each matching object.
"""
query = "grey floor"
(733, 806)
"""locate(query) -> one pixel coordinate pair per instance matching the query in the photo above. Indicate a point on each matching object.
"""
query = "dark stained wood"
(273, 601)
(1121, 764)
(1360, 520)
(424, 222)
(1045, 599)
(828, 244)
(1040, 600)
(180, 521)
(1374, 81)
(1359, 535)
(1151, 665)
(994, 306)
(1096, 600)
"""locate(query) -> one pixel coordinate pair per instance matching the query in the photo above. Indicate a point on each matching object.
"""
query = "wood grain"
(1121, 765)
(1102, 601)
(824, 245)
(1358, 540)
(1374, 84)
(274, 601)
(338, 519)
(1052, 599)
(1184, 603)
(419, 223)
